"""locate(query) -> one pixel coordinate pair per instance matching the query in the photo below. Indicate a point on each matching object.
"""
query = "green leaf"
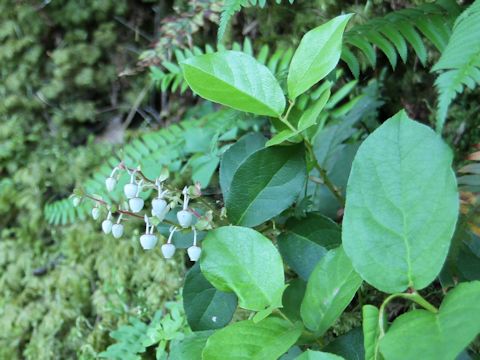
(317, 55)
(371, 331)
(402, 206)
(330, 288)
(266, 340)
(421, 334)
(291, 354)
(203, 168)
(206, 307)
(235, 156)
(307, 241)
(283, 136)
(309, 117)
(237, 80)
(292, 298)
(189, 348)
(244, 261)
(257, 196)
(318, 355)
(349, 345)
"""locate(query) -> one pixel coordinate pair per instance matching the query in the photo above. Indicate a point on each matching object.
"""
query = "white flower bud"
(184, 218)
(148, 241)
(76, 201)
(107, 226)
(136, 204)
(95, 213)
(168, 250)
(194, 252)
(110, 183)
(130, 190)
(117, 230)
(158, 206)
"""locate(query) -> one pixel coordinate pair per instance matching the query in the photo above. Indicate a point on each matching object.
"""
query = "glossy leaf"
(244, 261)
(237, 80)
(371, 331)
(190, 347)
(235, 156)
(257, 196)
(206, 307)
(318, 355)
(266, 340)
(307, 241)
(421, 334)
(402, 206)
(318, 54)
(330, 288)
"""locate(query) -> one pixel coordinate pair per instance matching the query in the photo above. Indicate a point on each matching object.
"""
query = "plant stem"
(284, 119)
(415, 297)
(125, 212)
(279, 312)
(324, 176)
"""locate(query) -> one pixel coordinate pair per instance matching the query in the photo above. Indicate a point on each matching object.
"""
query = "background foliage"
(84, 84)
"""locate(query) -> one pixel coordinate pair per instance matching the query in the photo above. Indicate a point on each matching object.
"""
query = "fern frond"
(169, 76)
(63, 212)
(392, 33)
(460, 60)
(154, 150)
(231, 7)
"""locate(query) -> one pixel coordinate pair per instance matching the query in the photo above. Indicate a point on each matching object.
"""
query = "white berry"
(117, 230)
(76, 201)
(158, 206)
(148, 241)
(95, 213)
(168, 250)
(194, 252)
(110, 183)
(184, 218)
(136, 204)
(130, 190)
(107, 226)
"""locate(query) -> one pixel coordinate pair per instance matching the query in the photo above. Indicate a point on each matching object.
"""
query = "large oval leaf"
(265, 184)
(237, 80)
(402, 206)
(266, 340)
(235, 156)
(206, 307)
(421, 334)
(244, 261)
(307, 241)
(317, 55)
(330, 289)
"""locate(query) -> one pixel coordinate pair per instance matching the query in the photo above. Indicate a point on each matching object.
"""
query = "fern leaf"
(231, 7)
(460, 61)
(392, 33)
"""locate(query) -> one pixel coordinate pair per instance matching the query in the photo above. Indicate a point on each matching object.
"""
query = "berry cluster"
(166, 200)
